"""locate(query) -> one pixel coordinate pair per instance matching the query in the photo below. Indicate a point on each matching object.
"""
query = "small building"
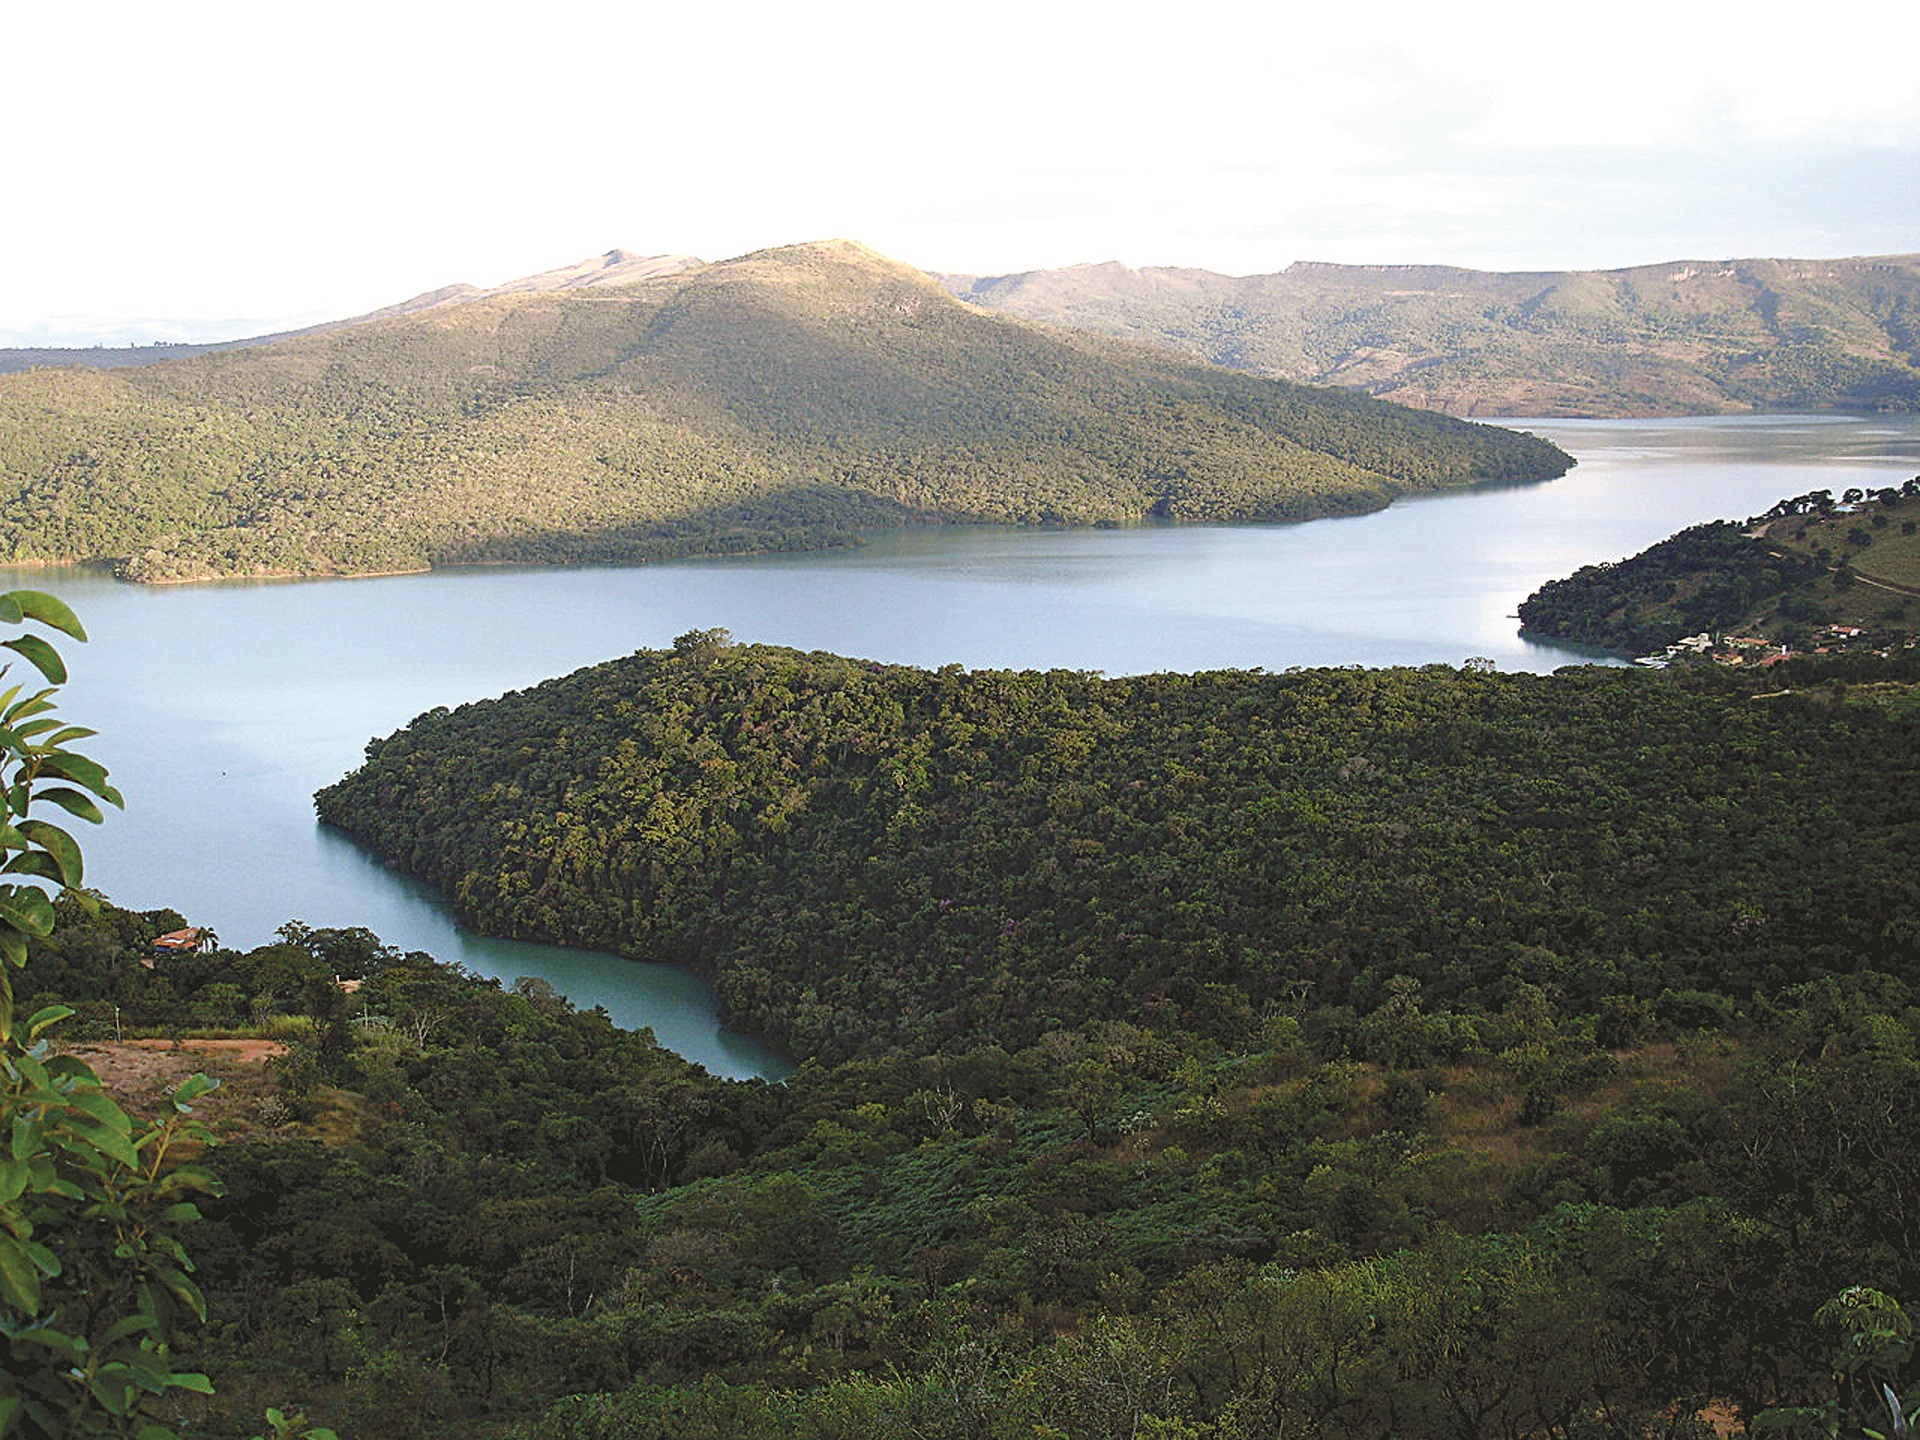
(178, 942)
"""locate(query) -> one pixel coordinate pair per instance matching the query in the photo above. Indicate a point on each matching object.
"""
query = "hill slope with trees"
(873, 859)
(1507, 1189)
(1810, 567)
(785, 399)
(453, 1210)
(1683, 338)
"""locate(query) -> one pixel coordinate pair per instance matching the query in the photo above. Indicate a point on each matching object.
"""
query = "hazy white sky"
(211, 168)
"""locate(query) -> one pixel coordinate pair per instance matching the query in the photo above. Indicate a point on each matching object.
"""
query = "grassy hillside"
(1810, 566)
(1679, 338)
(784, 399)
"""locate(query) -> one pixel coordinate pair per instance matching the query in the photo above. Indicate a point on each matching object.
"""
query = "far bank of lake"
(221, 709)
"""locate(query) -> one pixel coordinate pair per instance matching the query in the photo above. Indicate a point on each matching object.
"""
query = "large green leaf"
(35, 862)
(24, 1141)
(127, 1327)
(19, 1277)
(81, 771)
(13, 711)
(67, 1067)
(90, 1142)
(102, 1108)
(42, 1018)
(26, 910)
(70, 1348)
(47, 609)
(111, 1389)
(190, 1177)
(44, 657)
(57, 843)
(191, 1089)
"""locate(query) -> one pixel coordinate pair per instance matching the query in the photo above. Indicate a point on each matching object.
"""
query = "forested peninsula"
(877, 859)
(1815, 572)
(1689, 337)
(790, 398)
(1409, 1055)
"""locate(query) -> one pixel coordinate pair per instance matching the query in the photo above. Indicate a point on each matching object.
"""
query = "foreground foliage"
(1415, 1222)
(94, 1279)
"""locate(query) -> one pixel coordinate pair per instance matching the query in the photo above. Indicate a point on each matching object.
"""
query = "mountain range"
(1684, 337)
(614, 267)
(639, 407)
(1680, 337)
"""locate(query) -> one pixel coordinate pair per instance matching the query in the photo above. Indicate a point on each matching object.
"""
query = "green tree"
(1872, 1344)
(94, 1280)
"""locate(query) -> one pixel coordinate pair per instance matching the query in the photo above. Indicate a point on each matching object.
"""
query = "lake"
(222, 708)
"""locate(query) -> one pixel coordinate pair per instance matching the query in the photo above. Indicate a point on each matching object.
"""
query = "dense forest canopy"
(1812, 565)
(450, 1209)
(1682, 338)
(785, 399)
(1432, 1055)
(874, 859)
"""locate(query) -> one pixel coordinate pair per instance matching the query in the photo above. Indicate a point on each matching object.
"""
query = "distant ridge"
(614, 267)
(629, 408)
(1682, 337)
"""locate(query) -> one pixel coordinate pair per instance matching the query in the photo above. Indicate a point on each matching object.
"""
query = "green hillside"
(1429, 1054)
(785, 399)
(453, 1210)
(876, 858)
(1808, 567)
(1681, 338)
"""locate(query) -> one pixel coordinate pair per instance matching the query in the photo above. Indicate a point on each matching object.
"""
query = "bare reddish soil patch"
(141, 1074)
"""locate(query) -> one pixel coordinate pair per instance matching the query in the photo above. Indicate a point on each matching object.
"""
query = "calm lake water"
(221, 709)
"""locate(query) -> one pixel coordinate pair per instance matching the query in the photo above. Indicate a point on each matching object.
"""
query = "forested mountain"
(874, 859)
(1810, 565)
(1683, 338)
(787, 398)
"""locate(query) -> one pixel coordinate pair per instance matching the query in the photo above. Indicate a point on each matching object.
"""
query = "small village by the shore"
(1756, 650)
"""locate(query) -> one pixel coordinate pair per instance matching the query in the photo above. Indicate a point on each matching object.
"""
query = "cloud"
(224, 158)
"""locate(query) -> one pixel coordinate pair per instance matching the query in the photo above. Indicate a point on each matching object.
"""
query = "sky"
(209, 169)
